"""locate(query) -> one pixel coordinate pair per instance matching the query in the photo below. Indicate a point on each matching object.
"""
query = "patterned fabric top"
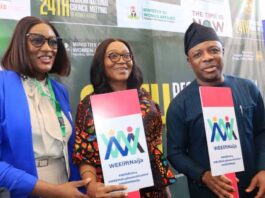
(86, 147)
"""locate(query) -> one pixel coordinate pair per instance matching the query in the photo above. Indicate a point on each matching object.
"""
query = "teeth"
(45, 57)
(122, 68)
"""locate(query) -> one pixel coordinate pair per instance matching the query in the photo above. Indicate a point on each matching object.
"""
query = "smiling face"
(118, 71)
(41, 58)
(206, 60)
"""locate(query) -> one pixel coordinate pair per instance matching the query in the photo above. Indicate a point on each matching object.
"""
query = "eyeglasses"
(114, 57)
(38, 40)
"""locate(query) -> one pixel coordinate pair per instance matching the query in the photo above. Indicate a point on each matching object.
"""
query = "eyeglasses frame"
(120, 55)
(59, 40)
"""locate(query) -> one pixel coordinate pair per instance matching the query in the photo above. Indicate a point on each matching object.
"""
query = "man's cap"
(196, 34)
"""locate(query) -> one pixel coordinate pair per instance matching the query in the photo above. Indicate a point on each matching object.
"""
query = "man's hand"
(258, 181)
(220, 185)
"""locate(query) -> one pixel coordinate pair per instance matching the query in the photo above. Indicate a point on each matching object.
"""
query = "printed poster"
(76, 12)
(175, 17)
(211, 13)
(152, 15)
(121, 139)
(14, 9)
(221, 130)
(262, 17)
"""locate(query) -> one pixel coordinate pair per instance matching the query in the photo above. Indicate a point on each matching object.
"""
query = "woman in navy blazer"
(35, 51)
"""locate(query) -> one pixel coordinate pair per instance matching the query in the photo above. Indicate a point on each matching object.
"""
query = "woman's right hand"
(65, 190)
(70, 189)
(99, 190)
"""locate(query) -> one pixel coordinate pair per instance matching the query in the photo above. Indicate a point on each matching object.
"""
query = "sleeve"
(177, 144)
(16, 181)
(152, 118)
(66, 95)
(161, 171)
(85, 147)
(158, 127)
(259, 132)
(2, 112)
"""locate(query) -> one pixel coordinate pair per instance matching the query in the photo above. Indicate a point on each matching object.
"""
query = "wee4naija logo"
(129, 139)
(222, 129)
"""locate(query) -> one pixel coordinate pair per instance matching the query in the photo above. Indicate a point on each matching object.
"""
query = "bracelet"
(88, 171)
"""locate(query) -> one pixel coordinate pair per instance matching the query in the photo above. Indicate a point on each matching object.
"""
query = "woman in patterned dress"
(114, 69)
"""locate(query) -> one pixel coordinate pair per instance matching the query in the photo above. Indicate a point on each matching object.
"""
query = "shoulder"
(241, 84)
(9, 78)
(59, 88)
(85, 103)
(186, 102)
(240, 80)
(8, 74)
(57, 84)
(188, 93)
(144, 94)
(87, 98)
(146, 98)
(5, 72)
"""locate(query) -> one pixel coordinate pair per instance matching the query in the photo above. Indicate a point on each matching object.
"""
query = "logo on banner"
(122, 143)
(222, 129)
(133, 13)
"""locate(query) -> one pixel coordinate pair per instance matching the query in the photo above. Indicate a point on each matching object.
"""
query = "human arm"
(259, 133)
(20, 183)
(157, 132)
(86, 154)
(220, 185)
(258, 181)
(16, 181)
(177, 142)
(187, 146)
(168, 192)
(151, 119)
(98, 189)
(65, 190)
(163, 176)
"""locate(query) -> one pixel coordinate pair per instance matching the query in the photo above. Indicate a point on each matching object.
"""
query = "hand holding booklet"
(222, 135)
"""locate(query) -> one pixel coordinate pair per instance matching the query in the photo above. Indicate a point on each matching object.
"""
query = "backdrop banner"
(155, 29)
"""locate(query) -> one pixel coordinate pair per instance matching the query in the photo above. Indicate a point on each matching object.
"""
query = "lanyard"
(55, 103)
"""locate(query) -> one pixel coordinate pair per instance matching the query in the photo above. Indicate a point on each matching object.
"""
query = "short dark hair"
(97, 71)
(16, 56)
